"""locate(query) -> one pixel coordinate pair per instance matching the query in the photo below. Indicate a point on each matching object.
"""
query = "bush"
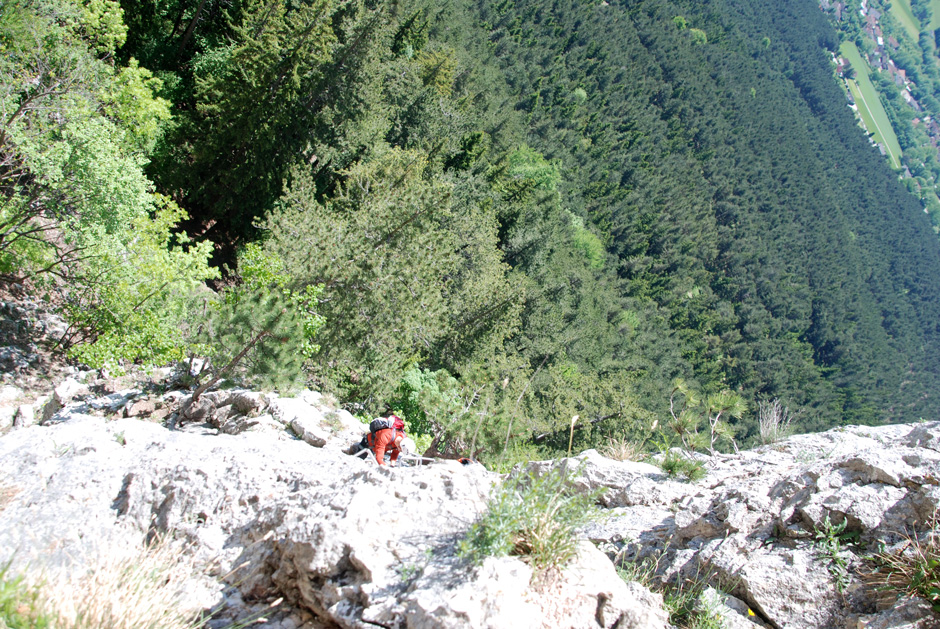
(534, 518)
(623, 449)
(677, 465)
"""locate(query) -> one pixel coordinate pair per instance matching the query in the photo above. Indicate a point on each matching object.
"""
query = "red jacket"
(386, 439)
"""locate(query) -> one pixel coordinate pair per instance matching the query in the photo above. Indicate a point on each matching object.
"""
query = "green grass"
(20, 604)
(682, 598)
(869, 105)
(534, 518)
(901, 9)
(935, 20)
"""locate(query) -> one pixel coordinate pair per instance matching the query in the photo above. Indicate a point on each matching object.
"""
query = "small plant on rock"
(683, 598)
(20, 606)
(677, 465)
(533, 517)
(623, 450)
(774, 420)
(830, 541)
(692, 411)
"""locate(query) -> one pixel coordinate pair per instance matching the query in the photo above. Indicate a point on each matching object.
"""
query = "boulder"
(907, 613)
(248, 402)
(62, 395)
(199, 411)
(7, 418)
(140, 408)
(310, 429)
(25, 415)
(10, 393)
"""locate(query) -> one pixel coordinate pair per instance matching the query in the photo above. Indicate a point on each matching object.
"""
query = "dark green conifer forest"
(494, 215)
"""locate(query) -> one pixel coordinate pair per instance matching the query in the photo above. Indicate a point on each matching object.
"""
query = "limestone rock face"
(342, 541)
(262, 490)
(754, 521)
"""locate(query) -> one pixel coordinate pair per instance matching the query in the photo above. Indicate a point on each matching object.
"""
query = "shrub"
(534, 518)
(623, 450)
(692, 411)
(429, 401)
(678, 465)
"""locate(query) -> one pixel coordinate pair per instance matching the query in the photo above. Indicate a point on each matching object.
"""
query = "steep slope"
(715, 150)
(547, 210)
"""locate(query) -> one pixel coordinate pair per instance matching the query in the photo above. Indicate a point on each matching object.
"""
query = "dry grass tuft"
(7, 494)
(139, 590)
(911, 568)
(774, 421)
(623, 450)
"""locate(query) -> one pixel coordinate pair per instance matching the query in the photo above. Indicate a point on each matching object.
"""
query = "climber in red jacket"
(387, 440)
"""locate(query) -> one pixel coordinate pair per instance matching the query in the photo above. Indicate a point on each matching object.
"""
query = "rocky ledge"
(273, 510)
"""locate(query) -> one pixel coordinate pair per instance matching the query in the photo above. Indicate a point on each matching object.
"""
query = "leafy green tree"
(693, 413)
(398, 265)
(75, 202)
(140, 312)
(262, 330)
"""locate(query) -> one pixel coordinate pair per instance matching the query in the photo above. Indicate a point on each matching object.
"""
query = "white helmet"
(408, 445)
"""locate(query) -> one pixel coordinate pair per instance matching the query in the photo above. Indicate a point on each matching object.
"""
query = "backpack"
(377, 424)
(381, 423)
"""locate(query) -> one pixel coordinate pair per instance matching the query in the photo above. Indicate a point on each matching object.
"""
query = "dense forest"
(498, 218)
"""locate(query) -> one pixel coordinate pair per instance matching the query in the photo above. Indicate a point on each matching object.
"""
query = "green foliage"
(102, 24)
(262, 330)
(417, 162)
(586, 242)
(272, 85)
(438, 67)
(830, 541)
(135, 299)
(429, 400)
(680, 465)
(76, 202)
(529, 170)
(400, 273)
(20, 605)
(65, 166)
(130, 99)
(684, 598)
(693, 410)
(532, 517)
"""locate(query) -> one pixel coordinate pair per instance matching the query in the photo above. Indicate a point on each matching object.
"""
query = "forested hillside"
(491, 216)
